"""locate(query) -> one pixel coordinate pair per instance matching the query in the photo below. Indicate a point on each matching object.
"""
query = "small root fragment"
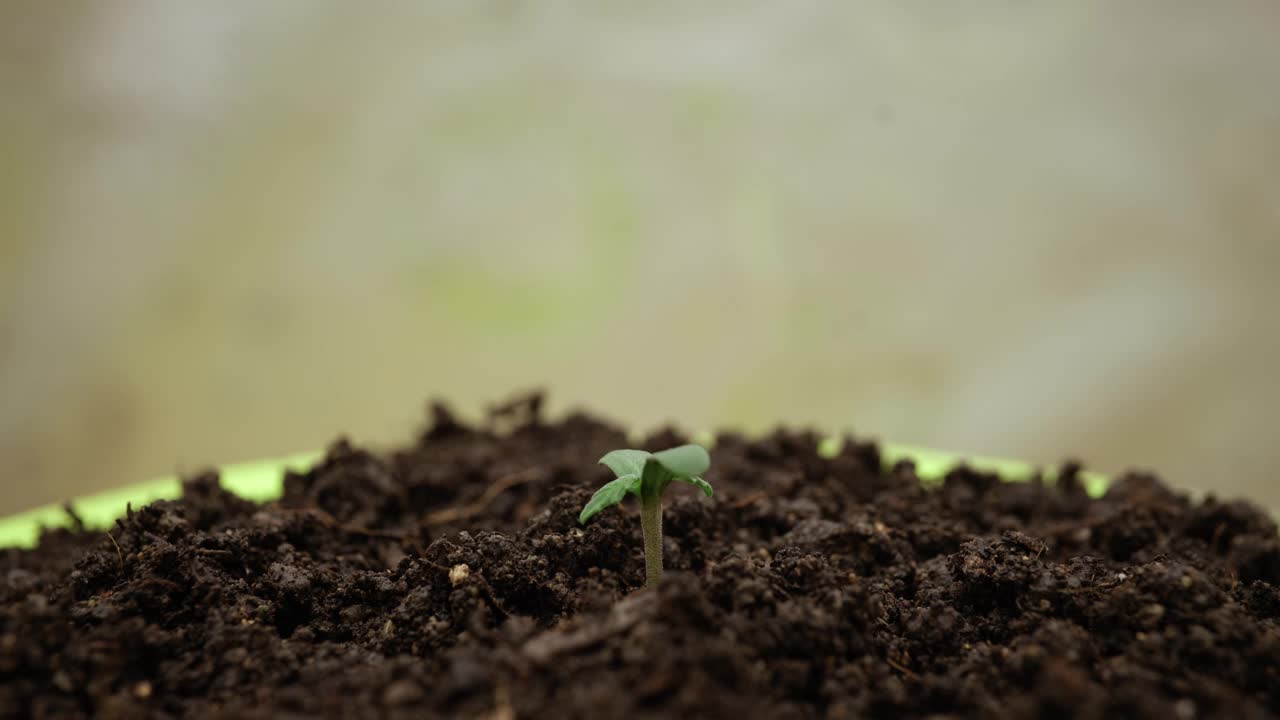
(119, 554)
(480, 504)
(901, 668)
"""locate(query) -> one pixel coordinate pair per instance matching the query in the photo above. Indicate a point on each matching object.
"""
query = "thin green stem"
(651, 524)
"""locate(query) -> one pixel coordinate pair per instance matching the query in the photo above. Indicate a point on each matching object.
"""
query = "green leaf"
(626, 462)
(685, 461)
(611, 494)
(699, 483)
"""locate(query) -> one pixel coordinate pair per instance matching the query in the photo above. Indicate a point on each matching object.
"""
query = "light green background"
(1036, 230)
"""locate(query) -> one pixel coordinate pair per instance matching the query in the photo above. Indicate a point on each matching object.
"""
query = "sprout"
(647, 476)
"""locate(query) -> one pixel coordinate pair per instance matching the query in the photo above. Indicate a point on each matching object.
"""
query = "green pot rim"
(263, 481)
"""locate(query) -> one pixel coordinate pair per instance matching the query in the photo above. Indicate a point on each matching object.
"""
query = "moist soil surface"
(452, 579)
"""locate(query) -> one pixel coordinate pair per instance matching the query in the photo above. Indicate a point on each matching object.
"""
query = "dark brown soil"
(807, 587)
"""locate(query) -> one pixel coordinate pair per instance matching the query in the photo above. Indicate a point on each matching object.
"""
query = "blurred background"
(1028, 229)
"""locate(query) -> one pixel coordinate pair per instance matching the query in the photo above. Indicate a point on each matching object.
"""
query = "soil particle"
(452, 579)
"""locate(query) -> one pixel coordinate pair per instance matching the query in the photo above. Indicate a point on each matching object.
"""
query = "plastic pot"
(262, 481)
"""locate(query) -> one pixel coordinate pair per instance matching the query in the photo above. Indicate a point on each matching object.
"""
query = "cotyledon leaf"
(626, 462)
(611, 494)
(685, 461)
(699, 482)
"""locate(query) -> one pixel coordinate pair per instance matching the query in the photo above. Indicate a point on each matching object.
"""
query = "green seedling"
(647, 475)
